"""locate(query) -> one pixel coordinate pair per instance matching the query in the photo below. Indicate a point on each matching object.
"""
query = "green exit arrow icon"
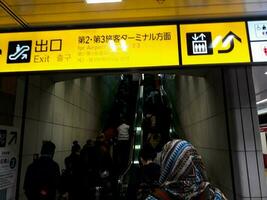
(229, 39)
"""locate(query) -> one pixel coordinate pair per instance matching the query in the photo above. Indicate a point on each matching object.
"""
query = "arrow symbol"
(24, 56)
(195, 37)
(202, 36)
(229, 39)
(0, 51)
(13, 138)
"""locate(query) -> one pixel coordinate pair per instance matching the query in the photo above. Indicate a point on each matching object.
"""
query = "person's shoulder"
(67, 158)
(31, 166)
(152, 167)
(125, 125)
(155, 165)
(181, 142)
(51, 163)
(55, 163)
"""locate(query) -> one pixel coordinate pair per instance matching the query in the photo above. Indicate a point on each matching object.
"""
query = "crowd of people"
(88, 170)
(179, 173)
(170, 169)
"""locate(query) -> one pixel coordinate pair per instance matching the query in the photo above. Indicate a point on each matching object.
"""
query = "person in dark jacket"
(87, 153)
(74, 173)
(149, 171)
(42, 176)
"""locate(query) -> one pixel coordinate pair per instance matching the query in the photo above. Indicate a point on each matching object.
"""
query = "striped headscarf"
(183, 175)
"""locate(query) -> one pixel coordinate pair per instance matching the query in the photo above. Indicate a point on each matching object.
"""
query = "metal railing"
(136, 142)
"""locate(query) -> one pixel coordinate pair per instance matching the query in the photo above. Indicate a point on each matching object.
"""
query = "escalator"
(127, 178)
(128, 181)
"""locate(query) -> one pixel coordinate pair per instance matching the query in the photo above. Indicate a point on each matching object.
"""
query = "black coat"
(42, 179)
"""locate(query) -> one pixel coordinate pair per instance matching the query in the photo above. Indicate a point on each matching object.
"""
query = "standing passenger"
(102, 166)
(87, 154)
(74, 173)
(150, 171)
(123, 144)
(42, 176)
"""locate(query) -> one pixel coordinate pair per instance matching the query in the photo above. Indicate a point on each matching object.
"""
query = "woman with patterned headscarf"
(183, 175)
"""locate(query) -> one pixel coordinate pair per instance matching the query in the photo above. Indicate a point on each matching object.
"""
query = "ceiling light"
(136, 162)
(265, 73)
(262, 111)
(103, 1)
(262, 101)
(138, 128)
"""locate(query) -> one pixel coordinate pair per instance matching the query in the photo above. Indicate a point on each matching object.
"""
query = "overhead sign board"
(102, 48)
(258, 40)
(214, 43)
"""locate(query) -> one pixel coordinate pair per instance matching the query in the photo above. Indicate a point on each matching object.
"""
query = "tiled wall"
(200, 110)
(250, 182)
(214, 109)
(63, 112)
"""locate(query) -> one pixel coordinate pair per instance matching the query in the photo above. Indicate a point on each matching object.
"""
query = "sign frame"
(170, 68)
(168, 64)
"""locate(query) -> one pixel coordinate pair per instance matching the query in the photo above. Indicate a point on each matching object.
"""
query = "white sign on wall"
(8, 162)
(259, 51)
(258, 40)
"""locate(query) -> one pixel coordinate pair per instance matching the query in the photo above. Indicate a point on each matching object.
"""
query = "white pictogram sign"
(20, 51)
(199, 44)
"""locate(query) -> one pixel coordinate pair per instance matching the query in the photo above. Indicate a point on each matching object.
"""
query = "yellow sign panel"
(103, 48)
(214, 43)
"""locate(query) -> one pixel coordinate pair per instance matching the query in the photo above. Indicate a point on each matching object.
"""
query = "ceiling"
(38, 13)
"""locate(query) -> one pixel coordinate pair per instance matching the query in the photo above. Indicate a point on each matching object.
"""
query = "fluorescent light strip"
(137, 146)
(262, 111)
(103, 1)
(138, 128)
(141, 94)
(136, 162)
(262, 101)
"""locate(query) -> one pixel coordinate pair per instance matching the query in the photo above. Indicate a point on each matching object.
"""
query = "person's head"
(75, 149)
(48, 148)
(154, 139)
(147, 154)
(182, 169)
(35, 157)
(123, 120)
(89, 142)
(100, 138)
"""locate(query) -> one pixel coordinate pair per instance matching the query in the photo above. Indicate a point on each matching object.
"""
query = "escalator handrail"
(133, 139)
